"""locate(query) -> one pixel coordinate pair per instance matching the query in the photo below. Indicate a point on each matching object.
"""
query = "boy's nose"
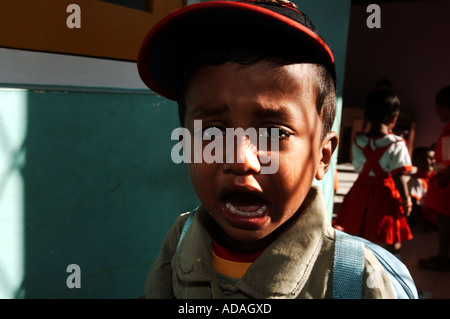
(244, 160)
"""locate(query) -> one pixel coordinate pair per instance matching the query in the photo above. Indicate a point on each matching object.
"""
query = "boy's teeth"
(251, 211)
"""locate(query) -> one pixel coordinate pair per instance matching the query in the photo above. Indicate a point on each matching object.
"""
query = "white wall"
(39, 68)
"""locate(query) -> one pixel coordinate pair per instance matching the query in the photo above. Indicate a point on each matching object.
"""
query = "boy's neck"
(244, 247)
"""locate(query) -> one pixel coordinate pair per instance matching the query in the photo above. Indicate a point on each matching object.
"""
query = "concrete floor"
(430, 284)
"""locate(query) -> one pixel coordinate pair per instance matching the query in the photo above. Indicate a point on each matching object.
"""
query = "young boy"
(250, 64)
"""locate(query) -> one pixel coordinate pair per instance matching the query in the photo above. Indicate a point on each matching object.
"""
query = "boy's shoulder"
(180, 227)
(384, 275)
(372, 275)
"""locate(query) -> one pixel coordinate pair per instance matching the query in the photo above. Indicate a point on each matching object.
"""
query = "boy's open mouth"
(245, 204)
(245, 209)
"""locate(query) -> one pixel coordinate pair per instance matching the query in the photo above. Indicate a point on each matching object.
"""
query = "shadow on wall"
(100, 191)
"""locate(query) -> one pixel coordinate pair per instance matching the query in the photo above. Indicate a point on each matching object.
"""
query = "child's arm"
(401, 183)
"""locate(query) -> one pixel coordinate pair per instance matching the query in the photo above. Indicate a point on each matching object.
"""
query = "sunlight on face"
(246, 204)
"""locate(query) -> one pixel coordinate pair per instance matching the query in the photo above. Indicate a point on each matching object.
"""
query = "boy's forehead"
(270, 88)
(268, 73)
(297, 78)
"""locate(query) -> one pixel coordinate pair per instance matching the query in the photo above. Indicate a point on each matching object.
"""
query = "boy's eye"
(271, 133)
(274, 133)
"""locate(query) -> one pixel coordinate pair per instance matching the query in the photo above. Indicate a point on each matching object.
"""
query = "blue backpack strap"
(398, 273)
(348, 267)
(399, 276)
(186, 226)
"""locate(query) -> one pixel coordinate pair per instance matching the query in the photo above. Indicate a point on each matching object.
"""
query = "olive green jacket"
(298, 264)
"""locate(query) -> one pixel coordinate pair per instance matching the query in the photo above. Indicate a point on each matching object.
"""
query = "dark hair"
(381, 105)
(443, 96)
(418, 152)
(326, 91)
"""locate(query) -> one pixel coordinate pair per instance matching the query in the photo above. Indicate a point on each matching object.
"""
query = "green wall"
(98, 189)
(86, 178)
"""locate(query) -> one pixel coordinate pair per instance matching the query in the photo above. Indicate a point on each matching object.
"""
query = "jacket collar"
(282, 269)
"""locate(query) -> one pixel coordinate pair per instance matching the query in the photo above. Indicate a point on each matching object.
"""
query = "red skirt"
(438, 199)
(372, 210)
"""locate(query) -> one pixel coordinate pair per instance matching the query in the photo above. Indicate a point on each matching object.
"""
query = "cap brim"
(185, 32)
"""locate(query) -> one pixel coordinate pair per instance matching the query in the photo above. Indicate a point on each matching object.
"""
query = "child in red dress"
(438, 195)
(376, 206)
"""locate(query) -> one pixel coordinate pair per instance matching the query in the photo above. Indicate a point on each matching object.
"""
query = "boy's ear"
(329, 144)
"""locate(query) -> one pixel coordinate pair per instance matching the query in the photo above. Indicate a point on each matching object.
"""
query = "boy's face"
(246, 204)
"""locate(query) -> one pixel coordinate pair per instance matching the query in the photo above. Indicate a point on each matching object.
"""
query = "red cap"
(184, 34)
